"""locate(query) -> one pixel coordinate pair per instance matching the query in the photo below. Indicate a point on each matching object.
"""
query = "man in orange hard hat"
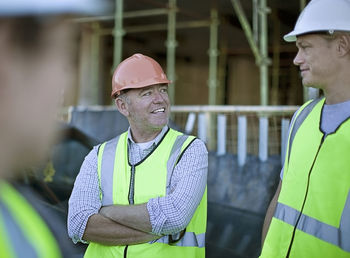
(143, 193)
(309, 215)
(37, 43)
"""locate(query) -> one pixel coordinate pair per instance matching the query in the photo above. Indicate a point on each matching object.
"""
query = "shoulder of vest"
(304, 111)
(109, 141)
(181, 133)
(300, 117)
(190, 139)
(174, 131)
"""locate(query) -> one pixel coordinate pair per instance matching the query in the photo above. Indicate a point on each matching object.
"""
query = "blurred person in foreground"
(143, 193)
(309, 216)
(36, 47)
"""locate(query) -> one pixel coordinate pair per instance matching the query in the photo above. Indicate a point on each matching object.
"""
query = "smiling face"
(147, 110)
(316, 60)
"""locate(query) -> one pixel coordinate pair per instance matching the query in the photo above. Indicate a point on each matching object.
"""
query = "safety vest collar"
(149, 154)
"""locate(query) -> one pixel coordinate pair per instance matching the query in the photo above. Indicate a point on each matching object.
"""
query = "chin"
(158, 126)
(307, 83)
(160, 123)
(311, 85)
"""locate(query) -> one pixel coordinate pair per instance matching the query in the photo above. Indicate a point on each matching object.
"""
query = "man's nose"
(297, 59)
(157, 96)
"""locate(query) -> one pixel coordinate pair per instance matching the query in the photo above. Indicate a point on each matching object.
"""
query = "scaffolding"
(256, 34)
(119, 32)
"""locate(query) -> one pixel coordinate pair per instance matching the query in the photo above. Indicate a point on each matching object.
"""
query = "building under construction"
(234, 85)
(215, 52)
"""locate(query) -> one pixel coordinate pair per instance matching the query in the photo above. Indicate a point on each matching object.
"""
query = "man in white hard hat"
(142, 194)
(36, 46)
(309, 216)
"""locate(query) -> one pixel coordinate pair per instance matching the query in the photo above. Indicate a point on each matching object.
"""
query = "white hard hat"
(51, 7)
(322, 15)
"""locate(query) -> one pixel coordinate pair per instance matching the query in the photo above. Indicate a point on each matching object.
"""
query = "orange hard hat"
(137, 71)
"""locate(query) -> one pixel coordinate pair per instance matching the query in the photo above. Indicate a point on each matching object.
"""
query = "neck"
(140, 136)
(337, 89)
(337, 93)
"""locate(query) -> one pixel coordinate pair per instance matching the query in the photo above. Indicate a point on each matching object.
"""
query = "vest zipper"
(306, 193)
(132, 185)
(130, 197)
(126, 251)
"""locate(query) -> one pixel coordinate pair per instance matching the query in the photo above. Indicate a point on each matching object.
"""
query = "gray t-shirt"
(332, 117)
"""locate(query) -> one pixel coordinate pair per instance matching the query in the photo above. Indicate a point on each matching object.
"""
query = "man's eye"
(147, 93)
(164, 90)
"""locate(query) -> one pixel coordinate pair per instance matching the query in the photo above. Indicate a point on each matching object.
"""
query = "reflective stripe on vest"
(107, 164)
(189, 239)
(336, 236)
(174, 156)
(25, 232)
(19, 245)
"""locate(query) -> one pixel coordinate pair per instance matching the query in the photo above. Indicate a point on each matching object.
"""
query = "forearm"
(102, 230)
(269, 214)
(132, 216)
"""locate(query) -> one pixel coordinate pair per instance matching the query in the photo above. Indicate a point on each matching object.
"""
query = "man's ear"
(343, 45)
(122, 106)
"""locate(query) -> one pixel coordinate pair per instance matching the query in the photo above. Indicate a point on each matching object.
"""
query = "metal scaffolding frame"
(213, 57)
(119, 31)
(171, 45)
(259, 34)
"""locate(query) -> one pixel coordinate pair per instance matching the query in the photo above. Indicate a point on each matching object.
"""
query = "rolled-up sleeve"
(172, 213)
(85, 198)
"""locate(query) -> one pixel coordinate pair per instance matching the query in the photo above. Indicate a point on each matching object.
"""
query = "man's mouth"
(159, 110)
(302, 71)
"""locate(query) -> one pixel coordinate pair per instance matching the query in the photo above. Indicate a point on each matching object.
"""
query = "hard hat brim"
(290, 37)
(117, 93)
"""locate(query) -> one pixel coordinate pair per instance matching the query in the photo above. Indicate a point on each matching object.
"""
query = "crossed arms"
(120, 225)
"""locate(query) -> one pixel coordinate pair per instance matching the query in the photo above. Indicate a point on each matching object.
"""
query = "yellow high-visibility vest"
(22, 231)
(151, 178)
(312, 217)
